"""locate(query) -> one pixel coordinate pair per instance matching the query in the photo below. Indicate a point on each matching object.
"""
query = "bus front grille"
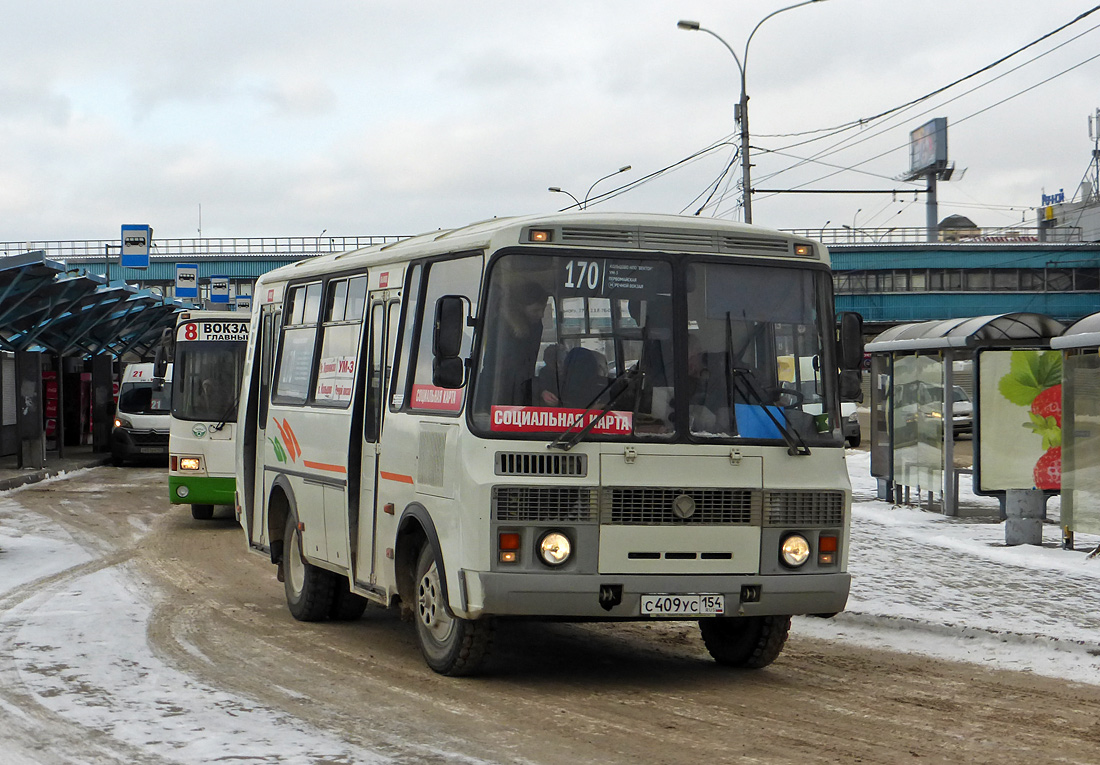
(516, 504)
(629, 506)
(803, 508)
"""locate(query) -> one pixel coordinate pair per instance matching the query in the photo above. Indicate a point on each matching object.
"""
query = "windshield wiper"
(746, 384)
(626, 379)
(224, 419)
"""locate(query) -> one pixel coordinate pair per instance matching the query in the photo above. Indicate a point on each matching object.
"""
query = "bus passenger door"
(265, 352)
(378, 350)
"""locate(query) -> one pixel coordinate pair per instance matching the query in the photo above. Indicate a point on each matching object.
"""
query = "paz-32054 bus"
(573, 416)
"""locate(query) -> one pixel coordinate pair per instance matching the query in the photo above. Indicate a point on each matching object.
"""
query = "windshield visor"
(206, 380)
(756, 361)
(566, 337)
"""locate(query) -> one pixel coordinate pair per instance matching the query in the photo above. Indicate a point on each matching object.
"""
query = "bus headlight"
(554, 548)
(190, 463)
(795, 550)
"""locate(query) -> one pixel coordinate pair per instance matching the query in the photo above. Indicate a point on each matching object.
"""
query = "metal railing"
(77, 250)
(1002, 235)
(80, 250)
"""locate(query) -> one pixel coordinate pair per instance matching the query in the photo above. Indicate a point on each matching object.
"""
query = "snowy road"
(130, 633)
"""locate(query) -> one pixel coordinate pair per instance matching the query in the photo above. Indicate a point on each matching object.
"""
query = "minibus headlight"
(122, 422)
(795, 550)
(554, 548)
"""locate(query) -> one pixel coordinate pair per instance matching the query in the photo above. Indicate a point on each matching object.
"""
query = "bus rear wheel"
(309, 590)
(450, 645)
(749, 642)
(346, 605)
(202, 512)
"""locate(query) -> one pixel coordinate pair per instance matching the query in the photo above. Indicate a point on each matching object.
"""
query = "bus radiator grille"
(803, 508)
(529, 463)
(517, 504)
(631, 506)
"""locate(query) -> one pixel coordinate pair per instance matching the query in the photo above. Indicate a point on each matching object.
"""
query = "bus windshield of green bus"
(576, 337)
(206, 380)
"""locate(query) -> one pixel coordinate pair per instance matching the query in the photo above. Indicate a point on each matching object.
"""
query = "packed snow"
(923, 583)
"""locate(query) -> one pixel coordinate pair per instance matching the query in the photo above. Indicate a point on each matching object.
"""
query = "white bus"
(573, 416)
(209, 349)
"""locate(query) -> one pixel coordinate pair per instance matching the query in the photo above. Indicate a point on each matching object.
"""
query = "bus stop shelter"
(1080, 421)
(52, 320)
(913, 377)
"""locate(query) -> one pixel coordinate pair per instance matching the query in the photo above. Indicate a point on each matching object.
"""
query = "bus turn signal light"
(509, 546)
(826, 550)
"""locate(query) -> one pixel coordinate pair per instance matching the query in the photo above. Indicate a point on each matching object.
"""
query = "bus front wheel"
(309, 590)
(450, 645)
(202, 512)
(750, 642)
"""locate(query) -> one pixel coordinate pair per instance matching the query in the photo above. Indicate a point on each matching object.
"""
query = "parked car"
(920, 412)
(849, 424)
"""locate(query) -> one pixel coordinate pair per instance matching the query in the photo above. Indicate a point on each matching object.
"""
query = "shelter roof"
(43, 306)
(1082, 334)
(968, 332)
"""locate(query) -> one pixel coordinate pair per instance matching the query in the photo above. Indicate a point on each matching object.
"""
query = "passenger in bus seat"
(584, 379)
(512, 351)
(548, 379)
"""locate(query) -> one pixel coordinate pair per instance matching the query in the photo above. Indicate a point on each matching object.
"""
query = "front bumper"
(127, 442)
(578, 595)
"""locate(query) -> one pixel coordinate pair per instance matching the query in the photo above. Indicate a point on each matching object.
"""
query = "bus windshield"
(572, 335)
(205, 382)
(145, 398)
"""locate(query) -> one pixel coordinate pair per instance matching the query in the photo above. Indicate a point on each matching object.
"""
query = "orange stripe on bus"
(396, 477)
(323, 466)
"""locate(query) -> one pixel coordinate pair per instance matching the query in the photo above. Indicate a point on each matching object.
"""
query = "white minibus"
(575, 416)
(143, 414)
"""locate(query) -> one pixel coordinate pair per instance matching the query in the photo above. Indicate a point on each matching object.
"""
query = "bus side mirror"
(448, 369)
(851, 385)
(851, 341)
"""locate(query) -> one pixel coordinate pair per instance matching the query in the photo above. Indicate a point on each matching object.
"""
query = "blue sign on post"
(219, 289)
(187, 280)
(136, 241)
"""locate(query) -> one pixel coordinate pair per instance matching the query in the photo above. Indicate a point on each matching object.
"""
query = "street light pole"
(622, 169)
(742, 114)
(584, 205)
(559, 190)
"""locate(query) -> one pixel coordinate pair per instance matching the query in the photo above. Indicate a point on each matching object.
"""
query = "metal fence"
(81, 250)
(1003, 235)
(78, 250)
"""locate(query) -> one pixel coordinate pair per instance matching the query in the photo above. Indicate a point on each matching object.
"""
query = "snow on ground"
(951, 588)
(922, 583)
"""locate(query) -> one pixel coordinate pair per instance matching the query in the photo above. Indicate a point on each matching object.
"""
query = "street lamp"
(559, 190)
(741, 115)
(583, 205)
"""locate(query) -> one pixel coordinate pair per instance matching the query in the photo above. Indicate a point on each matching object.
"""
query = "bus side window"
(459, 276)
(294, 366)
(269, 323)
(375, 362)
(401, 356)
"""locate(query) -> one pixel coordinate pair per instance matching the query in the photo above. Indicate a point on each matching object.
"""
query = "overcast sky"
(361, 117)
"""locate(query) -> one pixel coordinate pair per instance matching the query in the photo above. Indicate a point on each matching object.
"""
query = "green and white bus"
(573, 417)
(209, 349)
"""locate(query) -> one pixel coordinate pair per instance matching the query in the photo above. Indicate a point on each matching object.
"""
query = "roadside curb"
(17, 478)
